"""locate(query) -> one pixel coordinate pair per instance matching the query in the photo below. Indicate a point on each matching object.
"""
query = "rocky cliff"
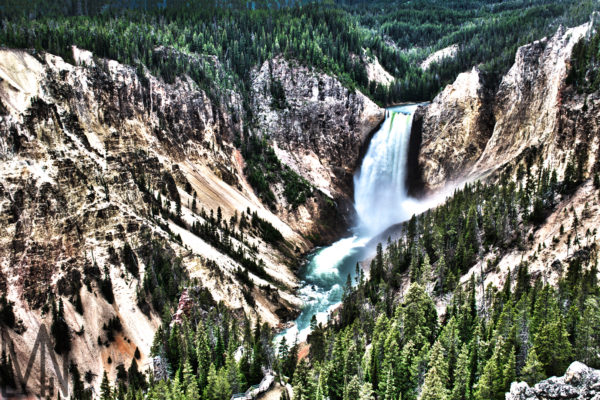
(533, 109)
(317, 126)
(455, 129)
(115, 186)
(535, 121)
(579, 382)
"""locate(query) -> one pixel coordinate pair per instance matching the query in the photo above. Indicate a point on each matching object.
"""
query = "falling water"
(381, 200)
(380, 190)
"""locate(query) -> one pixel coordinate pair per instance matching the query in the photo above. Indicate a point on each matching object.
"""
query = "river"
(381, 200)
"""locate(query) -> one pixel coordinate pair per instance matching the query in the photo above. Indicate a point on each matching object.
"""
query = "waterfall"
(381, 200)
(380, 191)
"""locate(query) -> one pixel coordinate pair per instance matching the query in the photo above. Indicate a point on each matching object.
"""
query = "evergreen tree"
(587, 333)
(352, 389)
(491, 383)
(533, 371)
(217, 387)
(436, 379)
(389, 392)
(105, 390)
(552, 346)
(366, 392)
(202, 354)
(433, 388)
(60, 330)
(419, 317)
(460, 390)
(234, 376)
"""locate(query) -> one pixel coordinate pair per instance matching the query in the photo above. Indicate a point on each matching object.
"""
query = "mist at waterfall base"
(381, 200)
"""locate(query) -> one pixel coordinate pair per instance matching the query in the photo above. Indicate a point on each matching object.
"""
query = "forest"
(177, 37)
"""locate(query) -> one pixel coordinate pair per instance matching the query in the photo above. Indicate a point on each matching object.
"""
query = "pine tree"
(433, 388)
(234, 376)
(336, 378)
(105, 390)
(202, 354)
(552, 346)
(390, 367)
(491, 383)
(426, 270)
(60, 330)
(460, 390)
(509, 372)
(283, 354)
(419, 316)
(352, 360)
(316, 339)
(390, 388)
(292, 360)
(587, 333)
(409, 370)
(377, 265)
(217, 387)
(176, 390)
(189, 382)
(366, 392)
(219, 350)
(533, 371)
(135, 377)
(304, 386)
(352, 389)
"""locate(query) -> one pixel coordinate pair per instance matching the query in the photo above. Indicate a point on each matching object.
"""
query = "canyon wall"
(109, 174)
(469, 132)
(534, 122)
(316, 125)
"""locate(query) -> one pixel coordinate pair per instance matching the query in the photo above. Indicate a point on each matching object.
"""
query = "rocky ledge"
(579, 382)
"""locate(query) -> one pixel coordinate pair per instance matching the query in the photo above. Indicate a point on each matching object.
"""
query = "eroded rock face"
(455, 129)
(469, 133)
(104, 170)
(579, 382)
(529, 100)
(320, 130)
(539, 122)
(91, 153)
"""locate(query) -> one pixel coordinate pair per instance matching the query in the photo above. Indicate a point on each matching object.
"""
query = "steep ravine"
(106, 171)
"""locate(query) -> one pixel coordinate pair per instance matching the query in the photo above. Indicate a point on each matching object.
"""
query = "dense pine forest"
(172, 38)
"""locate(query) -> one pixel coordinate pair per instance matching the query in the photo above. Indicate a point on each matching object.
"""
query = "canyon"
(107, 171)
(534, 121)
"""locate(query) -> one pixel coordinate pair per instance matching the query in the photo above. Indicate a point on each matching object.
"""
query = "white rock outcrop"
(579, 382)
